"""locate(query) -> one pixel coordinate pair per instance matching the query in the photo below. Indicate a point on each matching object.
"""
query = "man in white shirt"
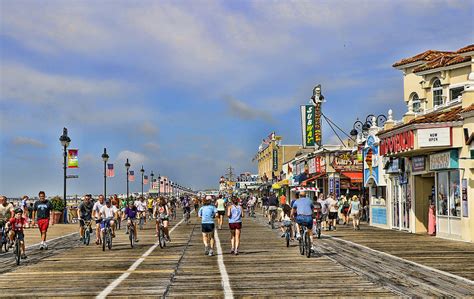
(332, 204)
(108, 214)
(141, 208)
(95, 213)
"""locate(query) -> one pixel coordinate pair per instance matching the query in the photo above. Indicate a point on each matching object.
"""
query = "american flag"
(131, 176)
(145, 180)
(110, 170)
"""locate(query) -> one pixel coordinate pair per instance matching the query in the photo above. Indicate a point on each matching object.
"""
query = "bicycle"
(272, 217)
(161, 234)
(141, 222)
(186, 216)
(17, 248)
(305, 241)
(131, 232)
(173, 213)
(4, 240)
(106, 234)
(87, 232)
(288, 235)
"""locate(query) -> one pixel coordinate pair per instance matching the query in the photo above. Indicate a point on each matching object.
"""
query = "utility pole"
(230, 174)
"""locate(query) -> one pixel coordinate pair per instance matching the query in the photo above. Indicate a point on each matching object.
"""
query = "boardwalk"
(265, 267)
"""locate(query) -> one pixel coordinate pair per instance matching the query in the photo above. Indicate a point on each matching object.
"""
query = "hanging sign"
(317, 123)
(312, 165)
(465, 209)
(418, 163)
(434, 137)
(308, 125)
(275, 159)
(444, 160)
(72, 159)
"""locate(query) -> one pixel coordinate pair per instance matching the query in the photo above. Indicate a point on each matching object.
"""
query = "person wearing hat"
(207, 213)
(354, 211)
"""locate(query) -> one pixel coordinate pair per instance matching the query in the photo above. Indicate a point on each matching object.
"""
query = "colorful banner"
(72, 159)
(275, 160)
(317, 124)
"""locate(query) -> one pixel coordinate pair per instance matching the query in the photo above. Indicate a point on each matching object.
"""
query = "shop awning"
(356, 177)
(276, 186)
(303, 183)
(283, 182)
(298, 189)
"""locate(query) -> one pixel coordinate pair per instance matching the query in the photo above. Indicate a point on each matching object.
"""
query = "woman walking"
(220, 204)
(354, 210)
(234, 212)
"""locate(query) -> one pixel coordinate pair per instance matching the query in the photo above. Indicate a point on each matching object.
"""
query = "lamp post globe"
(127, 166)
(105, 158)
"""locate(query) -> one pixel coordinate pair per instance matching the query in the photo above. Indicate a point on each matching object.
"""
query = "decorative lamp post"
(105, 157)
(143, 172)
(127, 166)
(65, 140)
(152, 175)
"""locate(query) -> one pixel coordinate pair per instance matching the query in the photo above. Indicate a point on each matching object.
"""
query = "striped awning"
(299, 189)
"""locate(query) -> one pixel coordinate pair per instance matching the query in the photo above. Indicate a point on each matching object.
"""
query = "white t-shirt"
(331, 202)
(107, 212)
(5, 212)
(96, 208)
(141, 206)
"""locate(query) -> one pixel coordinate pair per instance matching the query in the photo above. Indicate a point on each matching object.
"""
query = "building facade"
(427, 158)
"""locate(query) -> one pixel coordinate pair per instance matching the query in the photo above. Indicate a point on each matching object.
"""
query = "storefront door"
(400, 205)
(448, 204)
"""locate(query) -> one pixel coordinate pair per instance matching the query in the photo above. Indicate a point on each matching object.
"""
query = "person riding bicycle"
(272, 207)
(303, 208)
(185, 204)
(141, 208)
(286, 220)
(130, 213)
(6, 211)
(150, 205)
(108, 214)
(162, 214)
(96, 214)
(84, 213)
(172, 206)
(196, 203)
(17, 224)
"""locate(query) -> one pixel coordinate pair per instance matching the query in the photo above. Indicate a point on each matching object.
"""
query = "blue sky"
(187, 88)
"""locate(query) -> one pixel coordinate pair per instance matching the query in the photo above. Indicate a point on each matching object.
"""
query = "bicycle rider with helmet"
(17, 224)
(303, 209)
(130, 213)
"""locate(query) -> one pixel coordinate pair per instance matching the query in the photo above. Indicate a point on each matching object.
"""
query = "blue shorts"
(305, 220)
(105, 223)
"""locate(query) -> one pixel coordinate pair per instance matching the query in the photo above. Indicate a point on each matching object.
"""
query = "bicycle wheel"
(301, 243)
(104, 240)
(109, 239)
(131, 236)
(141, 223)
(287, 236)
(87, 236)
(17, 252)
(308, 246)
(161, 237)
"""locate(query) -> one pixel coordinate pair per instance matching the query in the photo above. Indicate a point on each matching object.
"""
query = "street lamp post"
(152, 176)
(127, 166)
(65, 140)
(159, 185)
(143, 172)
(105, 157)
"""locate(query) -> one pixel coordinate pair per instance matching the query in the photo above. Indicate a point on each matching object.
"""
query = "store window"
(456, 92)
(437, 93)
(448, 193)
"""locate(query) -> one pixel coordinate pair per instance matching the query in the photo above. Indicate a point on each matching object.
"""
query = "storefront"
(447, 193)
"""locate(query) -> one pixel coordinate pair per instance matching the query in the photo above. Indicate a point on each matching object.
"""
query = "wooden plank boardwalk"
(264, 268)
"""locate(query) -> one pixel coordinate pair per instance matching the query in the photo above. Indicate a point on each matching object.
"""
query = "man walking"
(41, 212)
(332, 205)
(207, 213)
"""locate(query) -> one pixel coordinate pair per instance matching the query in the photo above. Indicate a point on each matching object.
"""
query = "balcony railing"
(447, 104)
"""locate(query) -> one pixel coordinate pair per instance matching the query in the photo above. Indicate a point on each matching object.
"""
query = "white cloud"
(134, 158)
(20, 83)
(148, 128)
(152, 147)
(28, 141)
(243, 111)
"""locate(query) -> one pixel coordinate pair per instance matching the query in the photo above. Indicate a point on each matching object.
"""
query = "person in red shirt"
(17, 223)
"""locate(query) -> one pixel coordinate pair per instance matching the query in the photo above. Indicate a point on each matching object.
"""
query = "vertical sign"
(337, 183)
(331, 184)
(72, 159)
(317, 123)
(275, 160)
(465, 206)
(307, 125)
